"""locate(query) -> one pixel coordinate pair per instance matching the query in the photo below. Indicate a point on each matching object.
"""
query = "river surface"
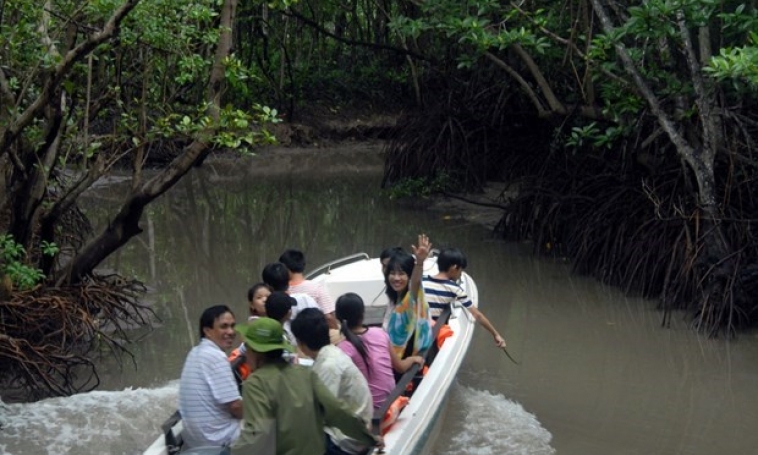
(597, 375)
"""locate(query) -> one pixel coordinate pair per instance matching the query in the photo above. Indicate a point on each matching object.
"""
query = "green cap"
(264, 335)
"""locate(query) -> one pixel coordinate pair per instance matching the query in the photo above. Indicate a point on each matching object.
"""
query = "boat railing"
(326, 268)
(410, 375)
(173, 441)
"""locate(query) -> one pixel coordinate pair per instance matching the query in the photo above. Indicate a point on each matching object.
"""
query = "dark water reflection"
(597, 370)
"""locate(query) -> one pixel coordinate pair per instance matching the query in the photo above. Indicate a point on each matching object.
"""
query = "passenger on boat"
(294, 260)
(443, 290)
(369, 348)
(209, 400)
(384, 259)
(256, 298)
(279, 307)
(287, 406)
(277, 276)
(386, 254)
(408, 324)
(339, 374)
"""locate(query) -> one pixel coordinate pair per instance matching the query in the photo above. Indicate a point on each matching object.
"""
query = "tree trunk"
(126, 223)
(715, 261)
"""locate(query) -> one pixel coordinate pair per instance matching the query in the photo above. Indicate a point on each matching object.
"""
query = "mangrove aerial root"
(52, 333)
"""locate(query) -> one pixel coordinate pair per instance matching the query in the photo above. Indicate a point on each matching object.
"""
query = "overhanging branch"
(313, 24)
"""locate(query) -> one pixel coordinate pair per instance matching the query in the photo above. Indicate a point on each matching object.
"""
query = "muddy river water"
(598, 374)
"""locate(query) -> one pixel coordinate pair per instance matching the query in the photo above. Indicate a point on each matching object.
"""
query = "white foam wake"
(124, 422)
(483, 423)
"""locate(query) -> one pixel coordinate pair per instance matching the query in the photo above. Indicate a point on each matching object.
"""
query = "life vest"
(241, 369)
(393, 412)
(444, 333)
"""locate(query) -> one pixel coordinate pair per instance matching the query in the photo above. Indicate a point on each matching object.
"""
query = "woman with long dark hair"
(409, 324)
(370, 348)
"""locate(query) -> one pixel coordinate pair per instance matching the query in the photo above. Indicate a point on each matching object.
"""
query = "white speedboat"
(415, 428)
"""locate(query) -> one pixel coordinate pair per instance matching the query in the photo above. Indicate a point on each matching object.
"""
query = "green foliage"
(49, 248)
(234, 129)
(419, 187)
(477, 27)
(649, 31)
(336, 58)
(239, 77)
(159, 66)
(595, 136)
(581, 134)
(13, 256)
(738, 64)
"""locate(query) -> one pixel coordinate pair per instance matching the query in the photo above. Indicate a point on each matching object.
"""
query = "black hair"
(389, 252)
(294, 260)
(310, 328)
(349, 310)
(209, 316)
(276, 354)
(449, 257)
(254, 288)
(277, 276)
(278, 304)
(402, 261)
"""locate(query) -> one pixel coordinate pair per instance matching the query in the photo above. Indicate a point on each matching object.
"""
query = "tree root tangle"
(51, 333)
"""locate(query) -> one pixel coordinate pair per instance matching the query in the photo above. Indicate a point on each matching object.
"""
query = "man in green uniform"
(285, 407)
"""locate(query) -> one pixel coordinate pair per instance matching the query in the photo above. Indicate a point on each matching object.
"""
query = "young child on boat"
(443, 290)
(256, 298)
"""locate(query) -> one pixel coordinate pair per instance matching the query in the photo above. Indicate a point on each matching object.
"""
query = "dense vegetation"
(86, 87)
(627, 127)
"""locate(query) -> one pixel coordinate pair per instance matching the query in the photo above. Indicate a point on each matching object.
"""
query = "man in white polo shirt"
(209, 399)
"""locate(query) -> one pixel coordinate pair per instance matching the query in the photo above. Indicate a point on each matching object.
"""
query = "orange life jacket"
(242, 369)
(393, 412)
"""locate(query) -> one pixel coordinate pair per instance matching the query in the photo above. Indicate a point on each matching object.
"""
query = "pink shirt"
(380, 377)
(317, 291)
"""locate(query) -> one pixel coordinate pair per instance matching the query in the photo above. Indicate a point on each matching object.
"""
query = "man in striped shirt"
(442, 290)
(209, 399)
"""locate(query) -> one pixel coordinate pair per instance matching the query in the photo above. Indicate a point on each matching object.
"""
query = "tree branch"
(703, 100)
(293, 13)
(703, 169)
(541, 111)
(573, 48)
(666, 122)
(59, 72)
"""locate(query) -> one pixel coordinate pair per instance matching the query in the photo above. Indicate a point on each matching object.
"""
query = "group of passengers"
(287, 409)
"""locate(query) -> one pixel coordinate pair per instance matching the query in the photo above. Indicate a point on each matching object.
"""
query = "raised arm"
(421, 252)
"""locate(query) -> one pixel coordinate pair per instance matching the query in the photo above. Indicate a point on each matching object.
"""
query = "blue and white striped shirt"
(440, 294)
